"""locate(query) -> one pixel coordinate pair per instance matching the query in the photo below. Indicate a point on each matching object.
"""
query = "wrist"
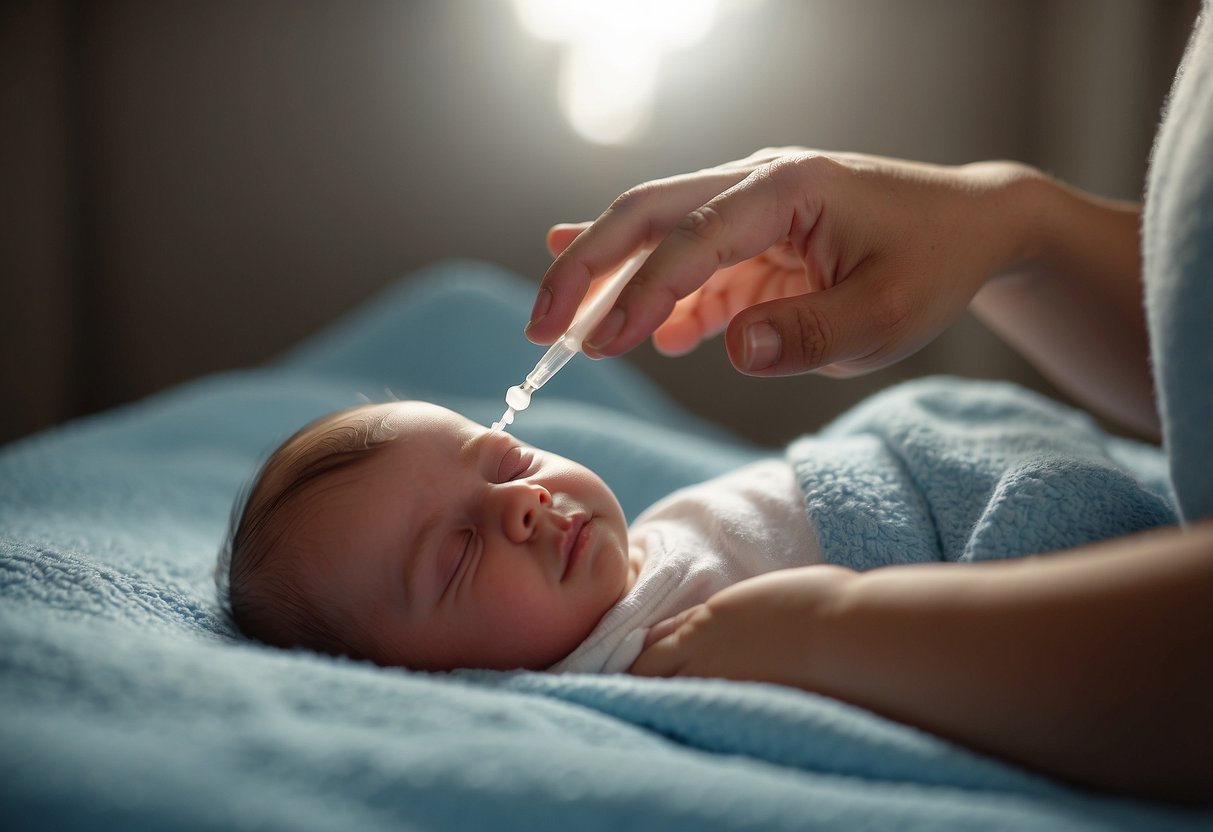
(1050, 227)
(1018, 202)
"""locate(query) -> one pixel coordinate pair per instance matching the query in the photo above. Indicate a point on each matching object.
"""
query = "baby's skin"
(455, 546)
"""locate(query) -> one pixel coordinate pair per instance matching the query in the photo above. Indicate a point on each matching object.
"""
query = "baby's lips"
(573, 555)
(568, 538)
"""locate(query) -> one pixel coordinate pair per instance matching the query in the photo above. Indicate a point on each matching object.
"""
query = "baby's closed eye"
(514, 463)
(462, 562)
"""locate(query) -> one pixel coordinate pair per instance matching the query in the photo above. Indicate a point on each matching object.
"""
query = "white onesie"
(695, 542)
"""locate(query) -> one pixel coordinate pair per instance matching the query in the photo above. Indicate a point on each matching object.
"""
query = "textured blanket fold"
(945, 469)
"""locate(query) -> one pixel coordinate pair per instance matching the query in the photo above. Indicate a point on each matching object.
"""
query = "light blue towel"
(946, 469)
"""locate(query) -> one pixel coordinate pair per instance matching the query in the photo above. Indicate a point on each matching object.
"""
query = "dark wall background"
(192, 186)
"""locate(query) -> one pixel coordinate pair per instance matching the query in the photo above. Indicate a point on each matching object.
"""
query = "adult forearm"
(1094, 666)
(1073, 304)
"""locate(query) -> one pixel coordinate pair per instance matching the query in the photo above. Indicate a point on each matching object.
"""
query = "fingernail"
(762, 345)
(543, 302)
(610, 327)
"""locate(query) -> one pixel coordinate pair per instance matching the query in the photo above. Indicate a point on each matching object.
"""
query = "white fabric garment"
(695, 542)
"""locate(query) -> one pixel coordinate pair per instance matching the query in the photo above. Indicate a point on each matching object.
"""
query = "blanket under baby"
(945, 469)
(128, 701)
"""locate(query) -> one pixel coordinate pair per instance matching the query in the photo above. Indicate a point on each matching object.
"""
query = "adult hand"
(838, 263)
(761, 629)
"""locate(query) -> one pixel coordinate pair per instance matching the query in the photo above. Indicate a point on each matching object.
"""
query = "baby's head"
(409, 535)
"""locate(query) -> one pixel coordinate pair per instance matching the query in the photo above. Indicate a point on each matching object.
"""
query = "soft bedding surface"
(128, 701)
(949, 469)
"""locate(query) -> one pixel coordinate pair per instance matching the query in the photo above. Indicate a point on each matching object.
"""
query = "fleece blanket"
(128, 701)
(944, 469)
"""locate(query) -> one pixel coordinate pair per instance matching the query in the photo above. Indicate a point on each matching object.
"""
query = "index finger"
(733, 226)
(639, 218)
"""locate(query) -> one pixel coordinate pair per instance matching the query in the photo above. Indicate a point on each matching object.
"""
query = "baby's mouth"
(572, 543)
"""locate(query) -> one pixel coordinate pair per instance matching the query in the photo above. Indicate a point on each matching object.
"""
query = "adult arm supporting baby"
(1110, 643)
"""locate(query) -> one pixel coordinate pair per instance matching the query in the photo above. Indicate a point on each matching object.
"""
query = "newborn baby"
(408, 535)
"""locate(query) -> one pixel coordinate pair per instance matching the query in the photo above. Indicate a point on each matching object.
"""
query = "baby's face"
(457, 547)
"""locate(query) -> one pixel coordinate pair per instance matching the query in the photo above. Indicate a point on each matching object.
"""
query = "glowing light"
(606, 93)
(611, 50)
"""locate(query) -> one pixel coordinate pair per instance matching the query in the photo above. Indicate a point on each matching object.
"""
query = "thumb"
(859, 322)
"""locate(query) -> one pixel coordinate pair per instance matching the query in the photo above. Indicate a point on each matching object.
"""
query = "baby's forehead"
(426, 420)
(427, 432)
(373, 424)
(363, 431)
(371, 446)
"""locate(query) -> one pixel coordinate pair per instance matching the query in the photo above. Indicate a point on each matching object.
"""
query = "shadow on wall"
(197, 186)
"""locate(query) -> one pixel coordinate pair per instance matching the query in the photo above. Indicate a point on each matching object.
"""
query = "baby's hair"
(257, 570)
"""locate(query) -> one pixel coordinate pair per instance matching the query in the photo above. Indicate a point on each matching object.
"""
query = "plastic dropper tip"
(507, 418)
(519, 398)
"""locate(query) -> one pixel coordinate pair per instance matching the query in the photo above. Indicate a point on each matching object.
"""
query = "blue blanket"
(128, 701)
(945, 469)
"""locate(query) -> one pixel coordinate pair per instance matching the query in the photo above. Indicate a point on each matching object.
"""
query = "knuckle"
(635, 197)
(793, 180)
(703, 225)
(641, 208)
(693, 622)
(782, 167)
(814, 336)
(806, 166)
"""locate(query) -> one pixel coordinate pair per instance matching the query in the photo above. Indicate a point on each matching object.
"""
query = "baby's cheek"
(613, 580)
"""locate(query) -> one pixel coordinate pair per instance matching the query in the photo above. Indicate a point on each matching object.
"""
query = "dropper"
(592, 311)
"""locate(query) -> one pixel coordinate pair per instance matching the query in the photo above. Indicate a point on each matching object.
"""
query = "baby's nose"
(522, 505)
